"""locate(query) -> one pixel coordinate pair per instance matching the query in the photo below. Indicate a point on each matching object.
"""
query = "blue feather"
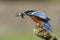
(41, 15)
(48, 26)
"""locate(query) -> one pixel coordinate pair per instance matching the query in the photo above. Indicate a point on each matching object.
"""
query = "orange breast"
(37, 19)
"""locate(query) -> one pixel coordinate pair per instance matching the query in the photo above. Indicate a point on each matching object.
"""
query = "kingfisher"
(39, 17)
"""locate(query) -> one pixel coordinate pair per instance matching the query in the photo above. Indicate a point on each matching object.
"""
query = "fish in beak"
(20, 14)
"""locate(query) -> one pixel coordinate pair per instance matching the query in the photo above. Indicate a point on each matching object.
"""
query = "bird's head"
(29, 12)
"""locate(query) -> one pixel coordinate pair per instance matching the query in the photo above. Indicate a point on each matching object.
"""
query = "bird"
(39, 17)
(42, 19)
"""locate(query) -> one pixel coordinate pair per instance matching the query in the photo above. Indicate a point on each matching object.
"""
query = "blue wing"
(41, 15)
(48, 26)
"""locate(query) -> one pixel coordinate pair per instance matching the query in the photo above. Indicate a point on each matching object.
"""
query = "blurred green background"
(16, 28)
